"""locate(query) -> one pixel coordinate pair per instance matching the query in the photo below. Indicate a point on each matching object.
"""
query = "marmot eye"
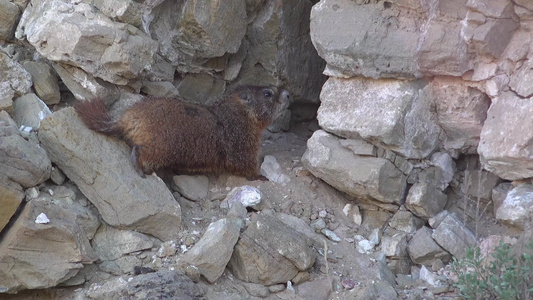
(268, 93)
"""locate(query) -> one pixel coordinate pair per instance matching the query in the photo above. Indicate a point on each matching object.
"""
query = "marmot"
(167, 133)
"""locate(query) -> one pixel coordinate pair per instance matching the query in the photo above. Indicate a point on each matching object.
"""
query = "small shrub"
(506, 276)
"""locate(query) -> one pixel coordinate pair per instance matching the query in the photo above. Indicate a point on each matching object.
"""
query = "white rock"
(42, 219)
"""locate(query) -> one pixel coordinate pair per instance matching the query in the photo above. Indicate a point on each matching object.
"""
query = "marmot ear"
(245, 95)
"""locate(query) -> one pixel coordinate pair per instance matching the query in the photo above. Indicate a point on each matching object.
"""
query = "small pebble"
(331, 235)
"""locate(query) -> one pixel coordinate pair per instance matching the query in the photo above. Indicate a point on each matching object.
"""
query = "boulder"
(29, 111)
(14, 79)
(379, 48)
(517, 207)
(11, 195)
(44, 81)
(425, 200)
(194, 188)
(396, 115)
(372, 178)
(270, 252)
(9, 14)
(454, 236)
(44, 247)
(72, 33)
(101, 168)
(423, 249)
(506, 138)
(21, 160)
(405, 221)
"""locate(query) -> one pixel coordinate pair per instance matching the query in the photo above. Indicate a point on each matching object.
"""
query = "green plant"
(506, 276)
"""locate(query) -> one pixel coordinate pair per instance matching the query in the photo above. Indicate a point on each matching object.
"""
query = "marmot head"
(261, 102)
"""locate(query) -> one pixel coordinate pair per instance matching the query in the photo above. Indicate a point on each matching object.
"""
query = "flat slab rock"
(101, 168)
(270, 252)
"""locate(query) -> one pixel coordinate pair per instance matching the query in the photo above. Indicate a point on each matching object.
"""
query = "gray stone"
(444, 162)
(396, 115)
(428, 276)
(247, 195)
(34, 255)
(517, 207)
(499, 193)
(44, 81)
(394, 243)
(21, 160)
(376, 49)
(213, 251)
(57, 176)
(479, 183)
(14, 79)
(374, 178)
(127, 11)
(378, 291)
(85, 86)
(280, 30)
(519, 80)
(353, 213)
(360, 147)
(425, 200)
(29, 111)
(453, 236)
(435, 221)
(315, 290)
(101, 168)
(256, 290)
(271, 169)
(111, 244)
(270, 252)
(163, 284)
(160, 89)
(11, 195)
(199, 31)
(9, 14)
(405, 221)
(424, 250)
(506, 138)
(71, 32)
(194, 188)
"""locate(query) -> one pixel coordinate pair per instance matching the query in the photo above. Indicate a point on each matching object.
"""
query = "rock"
(374, 178)
(424, 250)
(29, 111)
(22, 161)
(394, 243)
(85, 86)
(353, 213)
(428, 276)
(126, 11)
(280, 30)
(461, 112)
(248, 196)
(332, 236)
(316, 290)
(200, 30)
(444, 162)
(492, 36)
(435, 221)
(271, 169)
(57, 176)
(44, 81)
(425, 200)
(160, 89)
(11, 195)
(163, 284)
(270, 252)
(405, 221)
(61, 242)
(14, 80)
(101, 168)
(360, 147)
(73, 33)
(453, 236)
(111, 244)
(213, 251)
(519, 80)
(479, 183)
(379, 291)
(499, 193)
(505, 138)
(377, 49)
(194, 188)
(517, 207)
(9, 14)
(396, 115)
(256, 290)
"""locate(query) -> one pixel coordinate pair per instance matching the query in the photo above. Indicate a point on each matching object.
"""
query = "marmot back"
(191, 138)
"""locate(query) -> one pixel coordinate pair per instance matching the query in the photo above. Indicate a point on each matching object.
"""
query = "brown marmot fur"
(166, 133)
